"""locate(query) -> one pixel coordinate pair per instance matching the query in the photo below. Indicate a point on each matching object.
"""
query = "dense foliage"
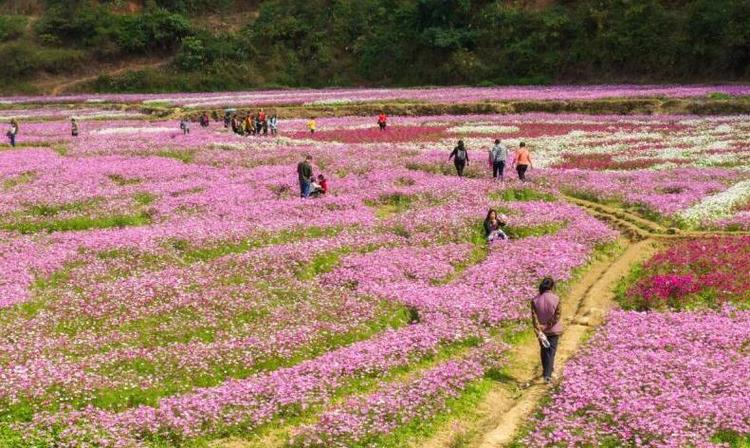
(344, 42)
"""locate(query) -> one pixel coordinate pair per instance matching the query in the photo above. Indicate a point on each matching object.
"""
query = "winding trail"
(508, 406)
(500, 415)
(61, 87)
(589, 301)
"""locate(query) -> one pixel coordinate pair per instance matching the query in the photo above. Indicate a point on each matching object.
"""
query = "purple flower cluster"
(653, 380)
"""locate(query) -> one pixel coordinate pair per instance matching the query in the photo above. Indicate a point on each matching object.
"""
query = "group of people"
(309, 185)
(252, 124)
(498, 158)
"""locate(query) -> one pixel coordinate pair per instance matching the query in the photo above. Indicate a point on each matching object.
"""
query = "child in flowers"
(493, 227)
(545, 319)
(311, 125)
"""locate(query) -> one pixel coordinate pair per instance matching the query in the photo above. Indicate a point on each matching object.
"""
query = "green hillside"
(56, 46)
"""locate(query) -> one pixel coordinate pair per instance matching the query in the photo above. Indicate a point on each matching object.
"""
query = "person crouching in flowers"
(319, 187)
(493, 227)
(545, 318)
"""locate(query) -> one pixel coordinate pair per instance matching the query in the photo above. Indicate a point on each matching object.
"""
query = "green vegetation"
(522, 194)
(77, 223)
(732, 439)
(354, 42)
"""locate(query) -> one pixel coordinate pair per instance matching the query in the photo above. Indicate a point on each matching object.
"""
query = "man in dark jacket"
(305, 173)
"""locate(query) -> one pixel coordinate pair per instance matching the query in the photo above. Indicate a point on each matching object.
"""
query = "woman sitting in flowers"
(493, 227)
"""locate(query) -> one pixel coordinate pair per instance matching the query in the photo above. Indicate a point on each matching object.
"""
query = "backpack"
(461, 155)
(496, 154)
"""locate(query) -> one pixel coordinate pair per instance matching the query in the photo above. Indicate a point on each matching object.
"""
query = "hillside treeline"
(385, 42)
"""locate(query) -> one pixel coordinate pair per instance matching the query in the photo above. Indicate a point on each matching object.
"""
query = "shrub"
(11, 27)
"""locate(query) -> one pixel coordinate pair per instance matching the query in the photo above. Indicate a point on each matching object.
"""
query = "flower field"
(160, 289)
(325, 97)
(674, 376)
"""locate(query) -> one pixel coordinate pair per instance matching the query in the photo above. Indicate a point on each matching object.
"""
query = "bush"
(23, 59)
(12, 27)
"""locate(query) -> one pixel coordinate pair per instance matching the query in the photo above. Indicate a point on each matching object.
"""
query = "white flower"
(719, 205)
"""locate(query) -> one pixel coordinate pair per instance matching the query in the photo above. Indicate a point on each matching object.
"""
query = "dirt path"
(638, 228)
(508, 405)
(59, 87)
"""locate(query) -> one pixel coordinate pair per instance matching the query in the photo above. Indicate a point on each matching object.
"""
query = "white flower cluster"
(719, 205)
(330, 102)
(483, 129)
(133, 130)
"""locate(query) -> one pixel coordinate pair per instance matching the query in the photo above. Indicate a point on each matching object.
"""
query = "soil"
(513, 400)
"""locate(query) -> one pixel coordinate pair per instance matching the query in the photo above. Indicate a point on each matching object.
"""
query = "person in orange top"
(522, 161)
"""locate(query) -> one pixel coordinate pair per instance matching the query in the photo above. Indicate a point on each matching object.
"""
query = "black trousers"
(548, 356)
(522, 171)
(498, 168)
(460, 165)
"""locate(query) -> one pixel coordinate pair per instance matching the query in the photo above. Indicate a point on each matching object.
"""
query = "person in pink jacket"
(545, 318)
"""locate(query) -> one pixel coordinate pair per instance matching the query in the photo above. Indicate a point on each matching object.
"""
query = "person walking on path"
(382, 121)
(460, 157)
(305, 174)
(498, 156)
(13, 131)
(74, 127)
(545, 318)
(205, 120)
(185, 126)
(522, 161)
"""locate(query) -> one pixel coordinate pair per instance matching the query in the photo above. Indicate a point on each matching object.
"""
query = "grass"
(144, 198)
(184, 156)
(123, 181)
(206, 253)
(78, 223)
(522, 194)
(390, 204)
(733, 439)
(22, 179)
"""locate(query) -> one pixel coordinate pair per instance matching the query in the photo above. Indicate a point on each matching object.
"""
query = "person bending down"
(319, 187)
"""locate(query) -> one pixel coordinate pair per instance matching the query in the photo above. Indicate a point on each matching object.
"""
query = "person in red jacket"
(320, 187)
(382, 121)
